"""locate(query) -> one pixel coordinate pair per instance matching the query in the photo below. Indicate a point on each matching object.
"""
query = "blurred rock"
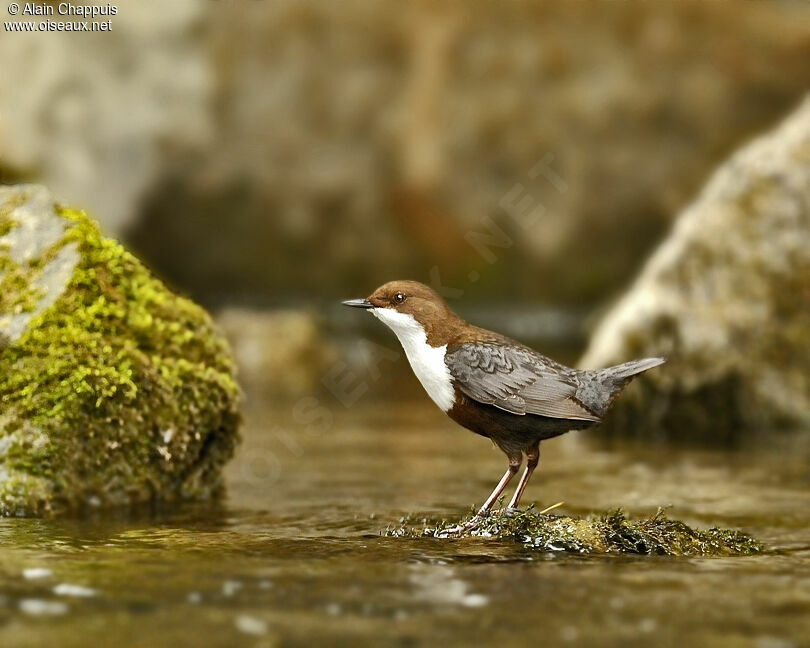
(279, 353)
(113, 391)
(727, 299)
(92, 115)
(360, 141)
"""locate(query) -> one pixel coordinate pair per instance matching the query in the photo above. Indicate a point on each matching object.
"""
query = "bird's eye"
(399, 298)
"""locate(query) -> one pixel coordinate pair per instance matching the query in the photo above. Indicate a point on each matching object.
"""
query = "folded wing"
(517, 380)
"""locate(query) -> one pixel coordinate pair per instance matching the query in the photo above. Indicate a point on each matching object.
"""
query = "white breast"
(426, 361)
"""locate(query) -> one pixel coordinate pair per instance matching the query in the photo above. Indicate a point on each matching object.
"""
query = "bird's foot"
(470, 524)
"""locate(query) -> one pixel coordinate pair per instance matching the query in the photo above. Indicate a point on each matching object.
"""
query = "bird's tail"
(629, 369)
(613, 379)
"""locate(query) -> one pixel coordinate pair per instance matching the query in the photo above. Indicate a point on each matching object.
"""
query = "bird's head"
(400, 304)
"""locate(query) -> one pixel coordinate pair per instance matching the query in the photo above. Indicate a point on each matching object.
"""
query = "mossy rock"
(610, 532)
(113, 390)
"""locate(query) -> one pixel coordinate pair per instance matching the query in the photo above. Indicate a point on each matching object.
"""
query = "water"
(294, 554)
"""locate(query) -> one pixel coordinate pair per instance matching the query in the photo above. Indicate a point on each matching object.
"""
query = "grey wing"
(516, 380)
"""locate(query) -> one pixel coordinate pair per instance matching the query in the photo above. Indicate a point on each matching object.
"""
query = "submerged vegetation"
(610, 532)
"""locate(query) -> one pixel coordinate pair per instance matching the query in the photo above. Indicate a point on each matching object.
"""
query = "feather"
(517, 380)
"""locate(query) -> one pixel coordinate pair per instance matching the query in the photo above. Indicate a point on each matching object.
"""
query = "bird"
(492, 385)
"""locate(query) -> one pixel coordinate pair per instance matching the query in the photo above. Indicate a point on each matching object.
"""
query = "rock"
(280, 353)
(610, 532)
(113, 391)
(727, 298)
(63, 124)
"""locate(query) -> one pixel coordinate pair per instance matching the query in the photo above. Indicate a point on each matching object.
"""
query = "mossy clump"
(116, 391)
(609, 532)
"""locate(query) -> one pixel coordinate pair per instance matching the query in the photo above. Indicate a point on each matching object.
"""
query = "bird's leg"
(532, 457)
(511, 471)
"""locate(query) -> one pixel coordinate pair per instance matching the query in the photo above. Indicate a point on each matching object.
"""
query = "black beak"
(358, 303)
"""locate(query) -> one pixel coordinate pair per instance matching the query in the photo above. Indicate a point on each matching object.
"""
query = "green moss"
(610, 532)
(126, 390)
(16, 294)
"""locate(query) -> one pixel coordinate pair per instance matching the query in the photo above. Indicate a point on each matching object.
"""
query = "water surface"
(294, 554)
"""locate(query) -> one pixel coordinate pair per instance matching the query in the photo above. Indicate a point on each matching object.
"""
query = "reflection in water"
(295, 556)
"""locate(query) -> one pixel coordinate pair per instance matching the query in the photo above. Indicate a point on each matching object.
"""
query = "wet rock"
(279, 353)
(610, 532)
(113, 391)
(727, 298)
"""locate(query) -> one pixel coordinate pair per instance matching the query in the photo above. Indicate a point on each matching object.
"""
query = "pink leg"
(532, 457)
(514, 464)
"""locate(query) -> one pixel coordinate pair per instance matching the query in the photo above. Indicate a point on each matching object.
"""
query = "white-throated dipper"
(492, 385)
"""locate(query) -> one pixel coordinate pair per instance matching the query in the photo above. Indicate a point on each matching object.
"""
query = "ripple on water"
(251, 625)
(36, 573)
(41, 607)
(77, 591)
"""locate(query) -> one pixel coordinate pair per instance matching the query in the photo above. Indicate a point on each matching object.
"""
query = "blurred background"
(272, 158)
(273, 153)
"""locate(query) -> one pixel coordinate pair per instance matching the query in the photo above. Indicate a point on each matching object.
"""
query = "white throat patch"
(426, 361)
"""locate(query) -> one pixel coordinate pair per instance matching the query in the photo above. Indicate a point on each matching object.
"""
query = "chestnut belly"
(513, 433)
